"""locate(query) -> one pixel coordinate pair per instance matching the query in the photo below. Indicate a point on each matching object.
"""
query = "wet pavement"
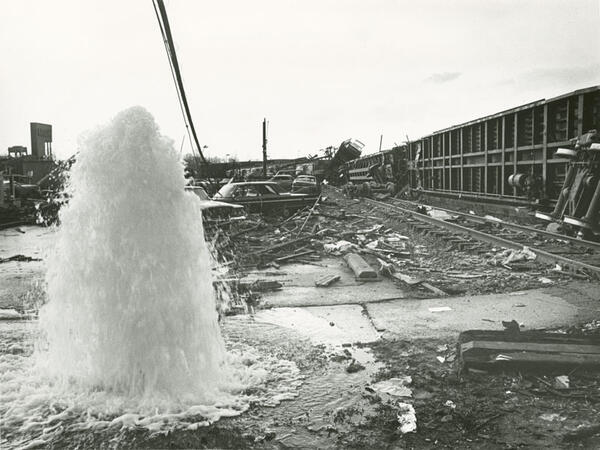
(299, 280)
(380, 327)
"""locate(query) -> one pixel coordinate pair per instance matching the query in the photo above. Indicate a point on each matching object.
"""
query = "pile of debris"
(370, 249)
(373, 247)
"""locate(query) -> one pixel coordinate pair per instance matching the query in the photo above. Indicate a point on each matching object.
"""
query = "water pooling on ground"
(335, 401)
(323, 401)
(129, 336)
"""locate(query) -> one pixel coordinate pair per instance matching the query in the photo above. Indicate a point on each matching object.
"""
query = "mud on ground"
(508, 408)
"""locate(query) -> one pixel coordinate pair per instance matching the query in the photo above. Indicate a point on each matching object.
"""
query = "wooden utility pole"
(380, 141)
(264, 146)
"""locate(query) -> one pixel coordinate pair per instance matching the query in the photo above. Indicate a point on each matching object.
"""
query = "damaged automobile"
(263, 196)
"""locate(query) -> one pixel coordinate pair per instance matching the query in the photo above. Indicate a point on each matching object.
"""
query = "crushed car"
(263, 196)
(284, 180)
(216, 214)
(306, 184)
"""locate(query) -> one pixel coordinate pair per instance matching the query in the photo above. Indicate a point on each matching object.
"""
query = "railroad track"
(573, 255)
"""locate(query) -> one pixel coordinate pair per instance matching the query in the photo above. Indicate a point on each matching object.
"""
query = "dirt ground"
(383, 329)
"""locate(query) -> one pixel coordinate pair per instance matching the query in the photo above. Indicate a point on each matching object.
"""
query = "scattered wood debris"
(327, 280)
(19, 258)
(422, 265)
(293, 256)
(484, 348)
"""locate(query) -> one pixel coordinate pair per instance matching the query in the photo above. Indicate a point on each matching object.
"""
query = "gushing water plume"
(131, 306)
(129, 336)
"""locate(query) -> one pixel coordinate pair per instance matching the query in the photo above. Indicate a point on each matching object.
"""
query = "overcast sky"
(320, 71)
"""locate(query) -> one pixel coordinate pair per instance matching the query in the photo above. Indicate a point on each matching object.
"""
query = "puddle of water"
(331, 326)
(36, 412)
(334, 402)
(330, 404)
(317, 406)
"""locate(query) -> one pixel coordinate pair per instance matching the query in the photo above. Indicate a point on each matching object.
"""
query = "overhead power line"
(165, 30)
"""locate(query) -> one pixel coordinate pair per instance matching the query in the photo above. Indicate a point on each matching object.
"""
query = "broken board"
(327, 280)
(484, 348)
(362, 270)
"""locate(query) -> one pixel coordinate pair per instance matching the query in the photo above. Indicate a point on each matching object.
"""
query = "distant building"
(41, 140)
(17, 151)
(33, 169)
(30, 168)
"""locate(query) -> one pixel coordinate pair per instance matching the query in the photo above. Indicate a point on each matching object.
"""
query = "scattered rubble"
(327, 280)
(436, 309)
(382, 246)
(474, 408)
(10, 314)
(19, 258)
(395, 392)
(354, 366)
(392, 387)
(457, 406)
(407, 418)
(561, 382)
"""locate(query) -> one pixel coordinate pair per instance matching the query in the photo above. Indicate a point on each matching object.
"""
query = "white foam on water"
(130, 336)
(35, 409)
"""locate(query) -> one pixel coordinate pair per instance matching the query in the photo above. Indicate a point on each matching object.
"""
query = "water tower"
(41, 140)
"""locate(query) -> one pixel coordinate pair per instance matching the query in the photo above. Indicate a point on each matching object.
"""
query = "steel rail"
(515, 226)
(490, 239)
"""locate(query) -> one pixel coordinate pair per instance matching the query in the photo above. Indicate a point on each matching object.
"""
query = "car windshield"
(273, 188)
(226, 191)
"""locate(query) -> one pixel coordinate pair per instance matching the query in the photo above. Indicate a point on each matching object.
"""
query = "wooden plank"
(434, 289)
(294, 255)
(327, 280)
(411, 281)
(539, 336)
(531, 347)
(541, 358)
(283, 245)
(361, 269)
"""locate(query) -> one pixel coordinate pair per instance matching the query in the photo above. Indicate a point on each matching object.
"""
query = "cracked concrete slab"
(345, 324)
(299, 286)
(538, 308)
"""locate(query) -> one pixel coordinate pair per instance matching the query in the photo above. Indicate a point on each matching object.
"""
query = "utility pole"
(264, 146)
(380, 141)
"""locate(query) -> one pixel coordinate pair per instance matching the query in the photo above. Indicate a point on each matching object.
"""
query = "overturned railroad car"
(386, 166)
(578, 202)
(348, 150)
(541, 154)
